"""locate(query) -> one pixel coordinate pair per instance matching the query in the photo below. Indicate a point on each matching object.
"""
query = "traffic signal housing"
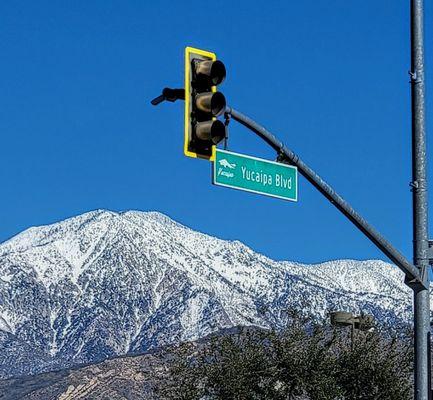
(203, 103)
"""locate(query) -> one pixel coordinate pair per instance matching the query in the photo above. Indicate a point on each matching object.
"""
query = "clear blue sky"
(328, 77)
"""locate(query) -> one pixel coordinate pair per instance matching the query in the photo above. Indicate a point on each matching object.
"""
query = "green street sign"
(256, 175)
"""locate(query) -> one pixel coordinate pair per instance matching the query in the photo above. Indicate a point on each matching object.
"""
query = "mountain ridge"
(109, 283)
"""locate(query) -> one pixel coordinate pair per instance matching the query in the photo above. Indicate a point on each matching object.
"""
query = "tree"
(306, 361)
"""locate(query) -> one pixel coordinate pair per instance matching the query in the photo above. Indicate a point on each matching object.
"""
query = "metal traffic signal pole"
(419, 189)
(416, 277)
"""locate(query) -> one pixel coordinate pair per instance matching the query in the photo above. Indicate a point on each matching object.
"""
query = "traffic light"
(203, 103)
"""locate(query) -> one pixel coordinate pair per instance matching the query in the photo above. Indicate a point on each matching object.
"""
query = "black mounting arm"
(169, 95)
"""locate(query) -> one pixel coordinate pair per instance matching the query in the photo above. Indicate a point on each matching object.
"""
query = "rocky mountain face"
(128, 377)
(104, 284)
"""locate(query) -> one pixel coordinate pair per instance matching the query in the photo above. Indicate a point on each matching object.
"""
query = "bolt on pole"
(419, 198)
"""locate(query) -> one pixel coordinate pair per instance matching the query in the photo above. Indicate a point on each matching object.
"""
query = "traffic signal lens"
(214, 71)
(213, 131)
(211, 102)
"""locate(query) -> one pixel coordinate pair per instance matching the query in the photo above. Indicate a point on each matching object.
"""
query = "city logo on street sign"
(256, 175)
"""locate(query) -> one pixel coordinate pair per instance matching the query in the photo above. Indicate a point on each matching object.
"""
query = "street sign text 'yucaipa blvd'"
(255, 175)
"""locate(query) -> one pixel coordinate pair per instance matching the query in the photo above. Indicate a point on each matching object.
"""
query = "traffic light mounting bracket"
(169, 94)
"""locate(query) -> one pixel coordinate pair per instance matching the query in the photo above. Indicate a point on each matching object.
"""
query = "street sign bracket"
(430, 252)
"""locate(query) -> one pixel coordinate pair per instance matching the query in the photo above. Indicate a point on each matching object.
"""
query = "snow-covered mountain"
(104, 283)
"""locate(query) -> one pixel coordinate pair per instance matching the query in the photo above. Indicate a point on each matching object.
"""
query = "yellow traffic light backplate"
(190, 54)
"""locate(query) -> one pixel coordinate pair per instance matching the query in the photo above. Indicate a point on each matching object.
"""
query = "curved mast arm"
(412, 273)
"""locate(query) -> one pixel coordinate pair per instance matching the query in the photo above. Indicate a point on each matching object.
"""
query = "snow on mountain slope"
(105, 283)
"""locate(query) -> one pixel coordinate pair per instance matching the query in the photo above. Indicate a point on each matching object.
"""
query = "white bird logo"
(224, 163)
